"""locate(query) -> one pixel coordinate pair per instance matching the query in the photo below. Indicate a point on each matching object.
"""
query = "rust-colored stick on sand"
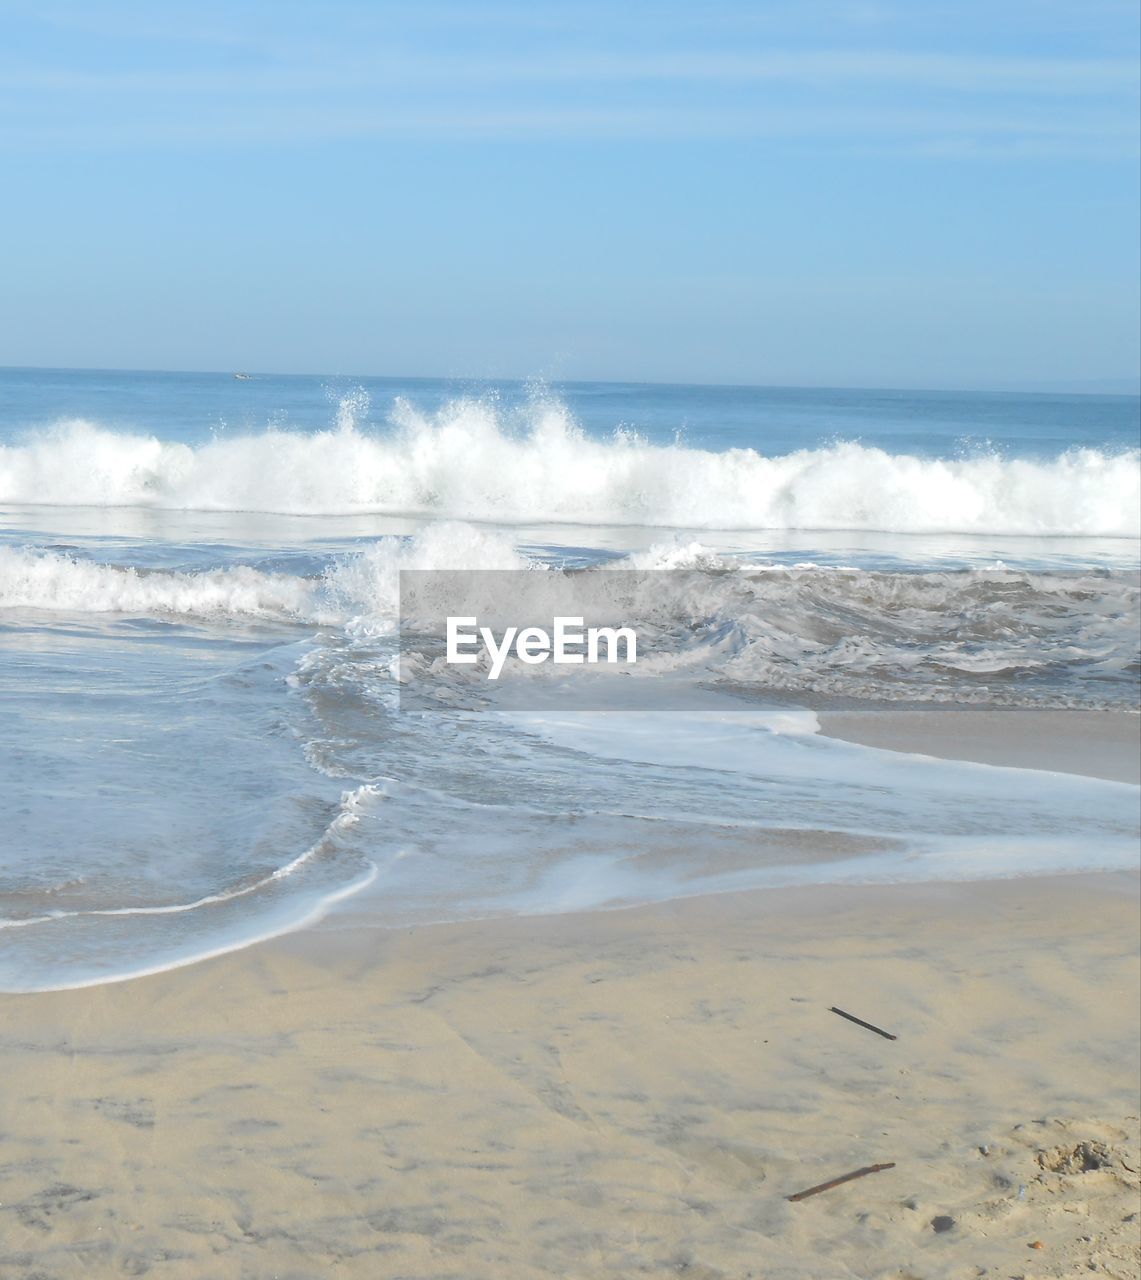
(861, 1023)
(847, 1177)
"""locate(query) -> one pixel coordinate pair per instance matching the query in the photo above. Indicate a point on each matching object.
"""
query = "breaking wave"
(989, 635)
(468, 462)
(48, 580)
(357, 587)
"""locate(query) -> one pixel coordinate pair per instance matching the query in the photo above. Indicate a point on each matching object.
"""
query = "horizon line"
(1016, 387)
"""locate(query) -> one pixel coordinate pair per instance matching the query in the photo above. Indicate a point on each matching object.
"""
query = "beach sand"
(619, 1093)
(616, 1094)
(1095, 744)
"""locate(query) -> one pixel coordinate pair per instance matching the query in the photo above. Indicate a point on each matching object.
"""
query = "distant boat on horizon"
(244, 377)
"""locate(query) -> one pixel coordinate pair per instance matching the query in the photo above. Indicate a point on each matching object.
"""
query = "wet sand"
(1095, 744)
(619, 1094)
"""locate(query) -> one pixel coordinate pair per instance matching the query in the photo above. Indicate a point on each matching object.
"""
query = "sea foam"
(359, 588)
(988, 635)
(468, 462)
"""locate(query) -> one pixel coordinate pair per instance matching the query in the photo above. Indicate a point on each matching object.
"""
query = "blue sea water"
(202, 743)
(196, 407)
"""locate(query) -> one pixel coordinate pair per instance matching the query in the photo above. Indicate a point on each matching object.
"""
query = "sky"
(783, 192)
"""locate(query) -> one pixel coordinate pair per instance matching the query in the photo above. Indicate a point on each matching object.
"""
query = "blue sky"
(901, 194)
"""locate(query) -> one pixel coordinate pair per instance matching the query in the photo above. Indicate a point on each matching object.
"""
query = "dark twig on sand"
(847, 1177)
(861, 1023)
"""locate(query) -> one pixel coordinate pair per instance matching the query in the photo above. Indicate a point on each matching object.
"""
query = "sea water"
(203, 741)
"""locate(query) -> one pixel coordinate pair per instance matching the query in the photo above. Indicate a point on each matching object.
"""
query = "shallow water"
(203, 742)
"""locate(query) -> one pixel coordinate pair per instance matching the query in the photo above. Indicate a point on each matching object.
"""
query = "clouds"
(744, 190)
(821, 69)
(118, 76)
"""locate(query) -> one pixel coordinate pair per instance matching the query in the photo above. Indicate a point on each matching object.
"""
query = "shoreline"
(1089, 744)
(591, 1095)
(1104, 745)
(636, 1090)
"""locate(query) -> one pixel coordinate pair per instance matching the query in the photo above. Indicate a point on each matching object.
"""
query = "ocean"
(204, 741)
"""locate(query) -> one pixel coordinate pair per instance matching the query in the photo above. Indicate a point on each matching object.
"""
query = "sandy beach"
(570, 597)
(625, 1093)
(1095, 744)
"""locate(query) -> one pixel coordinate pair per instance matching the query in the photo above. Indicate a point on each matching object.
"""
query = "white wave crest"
(48, 580)
(995, 635)
(467, 463)
(360, 589)
(365, 587)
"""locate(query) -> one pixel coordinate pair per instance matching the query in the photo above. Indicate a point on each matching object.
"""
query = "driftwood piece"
(846, 1177)
(861, 1023)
